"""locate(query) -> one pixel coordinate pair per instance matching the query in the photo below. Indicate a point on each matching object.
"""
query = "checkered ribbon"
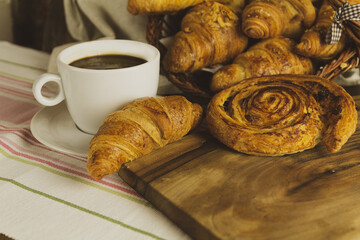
(345, 13)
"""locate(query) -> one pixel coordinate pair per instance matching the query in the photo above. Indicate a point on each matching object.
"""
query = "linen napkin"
(48, 194)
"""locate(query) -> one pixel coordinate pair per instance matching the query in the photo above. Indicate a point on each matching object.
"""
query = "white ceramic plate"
(54, 127)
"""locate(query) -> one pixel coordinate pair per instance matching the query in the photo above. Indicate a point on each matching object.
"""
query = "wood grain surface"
(212, 192)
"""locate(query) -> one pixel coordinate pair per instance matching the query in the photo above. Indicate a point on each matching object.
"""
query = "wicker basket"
(197, 84)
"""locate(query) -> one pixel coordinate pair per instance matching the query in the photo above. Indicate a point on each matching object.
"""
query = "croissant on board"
(270, 18)
(210, 35)
(139, 128)
(312, 43)
(282, 114)
(168, 6)
(267, 57)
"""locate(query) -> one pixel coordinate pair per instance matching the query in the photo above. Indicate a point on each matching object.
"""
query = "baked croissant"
(312, 43)
(270, 18)
(268, 57)
(283, 114)
(210, 35)
(139, 128)
(168, 6)
(235, 5)
(159, 6)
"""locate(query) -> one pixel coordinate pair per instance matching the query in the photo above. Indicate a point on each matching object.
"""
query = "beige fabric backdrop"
(93, 19)
(6, 24)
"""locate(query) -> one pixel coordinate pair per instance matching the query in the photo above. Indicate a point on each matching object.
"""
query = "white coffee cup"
(91, 95)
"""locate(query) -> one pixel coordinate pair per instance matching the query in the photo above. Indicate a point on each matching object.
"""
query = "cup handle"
(40, 82)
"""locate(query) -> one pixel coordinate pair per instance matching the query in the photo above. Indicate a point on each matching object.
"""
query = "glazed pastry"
(210, 35)
(283, 114)
(235, 5)
(313, 43)
(268, 57)
(139, 128)
(270, 18)
(168, 6)
(159, 6)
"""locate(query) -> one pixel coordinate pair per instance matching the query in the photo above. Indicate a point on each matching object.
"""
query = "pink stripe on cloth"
(65, 169)
(17, 112)
(46, 91)
(27, 93)
(26, 135)
(19, 82)
(16, 92)
(39, 155)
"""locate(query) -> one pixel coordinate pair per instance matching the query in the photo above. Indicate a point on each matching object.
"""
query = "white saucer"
(54, 127)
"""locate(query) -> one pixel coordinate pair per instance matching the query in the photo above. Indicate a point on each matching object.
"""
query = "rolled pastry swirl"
(282, 114)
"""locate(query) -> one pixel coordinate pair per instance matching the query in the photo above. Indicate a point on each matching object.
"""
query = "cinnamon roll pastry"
(270, 18)
(282, 114)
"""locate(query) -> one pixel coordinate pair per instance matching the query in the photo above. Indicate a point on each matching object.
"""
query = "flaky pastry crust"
(282, 114)
(169, 6)
(271, 56)
(210, 34)
(313, 42)
(139, 128)
(270, 18)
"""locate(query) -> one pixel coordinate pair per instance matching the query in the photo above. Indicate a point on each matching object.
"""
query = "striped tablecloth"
(47, 194)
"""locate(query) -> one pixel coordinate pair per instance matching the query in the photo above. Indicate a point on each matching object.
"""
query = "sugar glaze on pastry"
(282, 114)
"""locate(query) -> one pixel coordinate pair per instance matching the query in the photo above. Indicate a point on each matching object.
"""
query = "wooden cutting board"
(212, 192)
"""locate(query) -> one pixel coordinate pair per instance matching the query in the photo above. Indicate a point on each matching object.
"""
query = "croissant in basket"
(169, 6)
(283, 114)
(235, 5)
(270, 18)
(210, 35)
(139, 128)
(313, 44)
(159, 6)
(268, 57)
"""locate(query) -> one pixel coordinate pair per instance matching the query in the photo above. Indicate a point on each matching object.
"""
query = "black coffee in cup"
(111, 61)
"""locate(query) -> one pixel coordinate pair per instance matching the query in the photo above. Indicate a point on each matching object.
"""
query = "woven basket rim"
(158, 29)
